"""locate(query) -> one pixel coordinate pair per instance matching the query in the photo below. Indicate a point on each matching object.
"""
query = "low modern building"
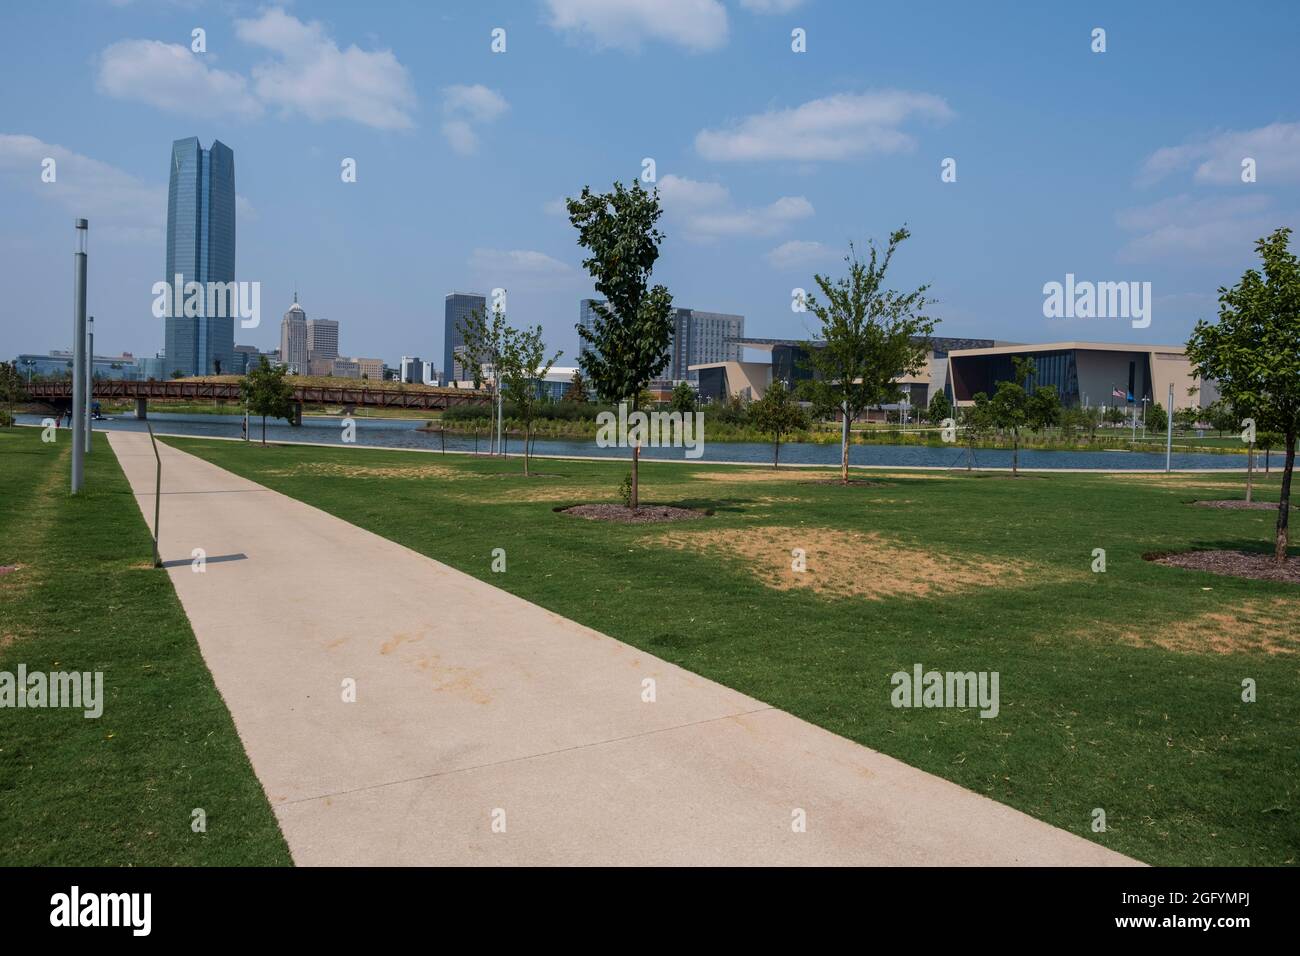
(371, 369)
(1084, 373)
(789, 363)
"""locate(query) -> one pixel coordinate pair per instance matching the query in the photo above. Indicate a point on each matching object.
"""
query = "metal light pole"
(1169, 428)
(79, 356)
(90, 375)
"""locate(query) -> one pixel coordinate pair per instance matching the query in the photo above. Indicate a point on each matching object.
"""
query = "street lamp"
(79, 384)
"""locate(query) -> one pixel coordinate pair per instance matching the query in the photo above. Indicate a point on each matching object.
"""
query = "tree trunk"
(1015, 453)
(263, 431)
(1250, 470)
(776, 452)
(528, 430)
(844, 448)
(1284, 501)
(636, 461)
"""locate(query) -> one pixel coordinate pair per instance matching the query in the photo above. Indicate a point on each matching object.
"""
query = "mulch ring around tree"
(621, 514)
(1237, 564)
(1239, 504)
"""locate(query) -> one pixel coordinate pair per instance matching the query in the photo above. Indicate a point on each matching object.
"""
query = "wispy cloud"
(1185, 227)
(696, 25)
(1217, 158)
(771, 6)
(118, 205)
(836, 127)
(706, 212)
(464, 109)
(169, 77)
(519, 263)
(797, 253)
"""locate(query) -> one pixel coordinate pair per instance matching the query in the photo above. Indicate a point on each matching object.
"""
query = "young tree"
(870, 337)
(777, 413)
(683, 399)
(523, 364)
(1253, 353)
(1157, 419)
(632, 327)
(940, 408)
(267, 393)
(1044, 407)
(577, 390)
(976, 423)
(1222, 416)
(1012, 408)
(484, 343)
(11, 384)
(1185, 419)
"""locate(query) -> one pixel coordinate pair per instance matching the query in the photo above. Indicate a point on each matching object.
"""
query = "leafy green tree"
(484, 341)
(1011, 407)
(777, 413)
(1266, 442)
(632, 327)
(266, 392)
(1185, 419)
(1222, 416)
(577, 390)
(11, 385)
(683, 399)
(523, 363)
(1157, 418)
(1044, 407)
(1253, 353)
(940, 408)
(976, 424)
(870, 336)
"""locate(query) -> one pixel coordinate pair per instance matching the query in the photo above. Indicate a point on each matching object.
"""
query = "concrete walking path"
(475, 708)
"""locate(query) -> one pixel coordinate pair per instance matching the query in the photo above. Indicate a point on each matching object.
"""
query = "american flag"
(1118, 394)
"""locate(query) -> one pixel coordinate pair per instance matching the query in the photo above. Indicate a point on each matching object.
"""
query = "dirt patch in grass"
(620, 514)
(1252, 626)
(748, 475)
(1237, 564)
(327, 469)
(848, 563)
(1188, 481)
(508, 496)
(1239, 504)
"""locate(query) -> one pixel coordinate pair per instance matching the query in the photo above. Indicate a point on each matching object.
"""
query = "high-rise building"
(459, 306)
(371, 368)
(293, 339)
(322, 339)
(200, 248)
(697, 338)
(411, 370)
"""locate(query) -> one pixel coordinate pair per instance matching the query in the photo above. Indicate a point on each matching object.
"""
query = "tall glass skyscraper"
(201, 248)
(458, 307)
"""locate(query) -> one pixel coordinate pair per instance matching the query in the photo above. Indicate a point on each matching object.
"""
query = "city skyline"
(462, 161)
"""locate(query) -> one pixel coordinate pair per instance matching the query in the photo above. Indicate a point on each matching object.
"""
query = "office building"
(201, 249)
(697, 338)
(322, 339)
(371, 369)
(293, 339)
(411, 370)
(457, 309)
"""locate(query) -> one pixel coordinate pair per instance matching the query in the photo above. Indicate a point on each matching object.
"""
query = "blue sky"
(1114, 166)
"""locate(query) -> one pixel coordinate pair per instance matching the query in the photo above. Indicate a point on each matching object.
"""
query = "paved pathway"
(474, 707)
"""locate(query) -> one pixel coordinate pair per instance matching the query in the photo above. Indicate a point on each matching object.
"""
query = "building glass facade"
(458, 308)
(200, 248)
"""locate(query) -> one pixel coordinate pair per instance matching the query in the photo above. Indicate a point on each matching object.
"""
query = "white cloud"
(798, 252)
(555, 207)
(771, 6)
(697, 25)
(168, 76)
(501, 264)
(1199, 229)
(465, 107)
(314, 77)
(118, 205)
(1217, 159)
(834, 127)
(705, 210)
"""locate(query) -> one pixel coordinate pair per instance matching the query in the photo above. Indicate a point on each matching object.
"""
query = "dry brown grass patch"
(849, 563)
(1255, 625)
(327, 469)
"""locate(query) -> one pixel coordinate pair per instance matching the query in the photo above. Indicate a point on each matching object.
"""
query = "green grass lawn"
(1120, 691)
(119, 790)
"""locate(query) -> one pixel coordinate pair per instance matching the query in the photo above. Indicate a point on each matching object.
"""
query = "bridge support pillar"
(141, 408)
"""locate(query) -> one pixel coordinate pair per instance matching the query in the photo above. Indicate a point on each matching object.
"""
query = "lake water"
(403, 433)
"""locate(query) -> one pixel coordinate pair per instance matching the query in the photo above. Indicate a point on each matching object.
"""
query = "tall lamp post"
(90, 375)
(79, 383)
